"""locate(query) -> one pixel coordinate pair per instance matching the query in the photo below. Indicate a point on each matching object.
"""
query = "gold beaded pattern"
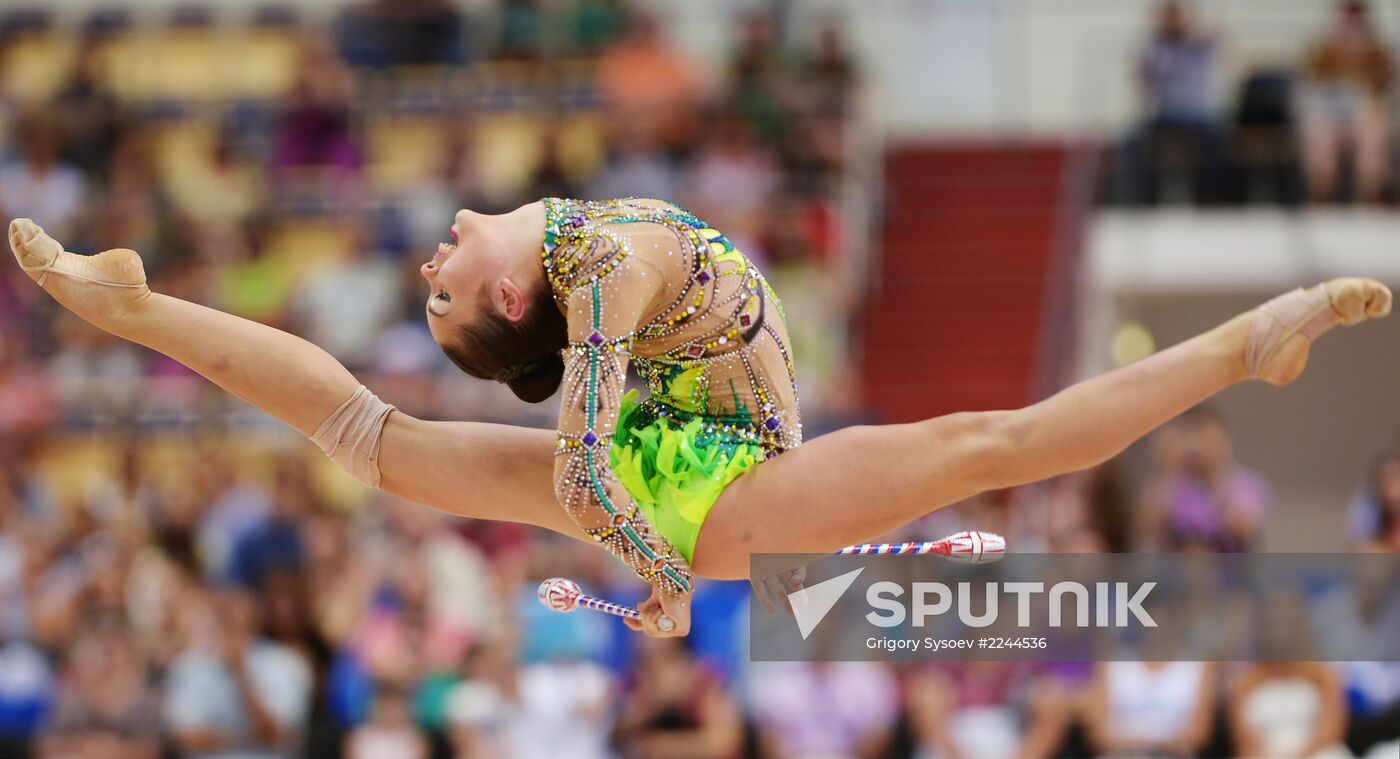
(648, 282)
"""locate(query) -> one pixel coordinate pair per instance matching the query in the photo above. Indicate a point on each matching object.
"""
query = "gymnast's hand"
(663, 616)
(773, 591)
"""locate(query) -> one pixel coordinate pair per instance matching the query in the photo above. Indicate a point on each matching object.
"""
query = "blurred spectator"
(26, 694)
(219, 195)
(985, 710)
(483, 709)
(1091, 505)
(390, 732)
(761, 75)
(1267, 164)
(250, 281)
(90, 113)
(1373, 706)
(385, 33)
(675, 709)
(646, 81)
(273, 545)
(731, 180)
(1291, 710)
(594, 24)
(420, 31)
(1151, 708)
(550, 178)
(560, 709)
(348, 302)
(27, 400)
(637, 165)
(39, 184)
(93, 375)
(232, 693)
(1183, 130)
(520, 30)
(806, 710)
(428, 204)
(1201, 498)
(132, 211)
(106, 708)
(315, 130)
(1353, 619)
(1344, 108)
(546, 636)
(829, 71)
(456, 580)
(236, 506)
(1374, 514)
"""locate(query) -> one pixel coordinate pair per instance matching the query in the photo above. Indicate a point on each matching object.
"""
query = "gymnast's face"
(469, 278)
(489, 306)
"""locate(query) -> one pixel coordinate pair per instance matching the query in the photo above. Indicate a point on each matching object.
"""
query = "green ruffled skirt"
(674, 469)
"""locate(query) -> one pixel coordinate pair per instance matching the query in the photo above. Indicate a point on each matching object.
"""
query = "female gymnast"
(563, 294)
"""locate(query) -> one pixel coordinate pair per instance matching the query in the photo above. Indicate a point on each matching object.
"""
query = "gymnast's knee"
(350, 436)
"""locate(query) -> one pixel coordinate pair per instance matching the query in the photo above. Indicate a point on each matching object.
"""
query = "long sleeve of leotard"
(607, 295)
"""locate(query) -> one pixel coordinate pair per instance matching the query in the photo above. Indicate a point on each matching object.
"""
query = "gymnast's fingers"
(793, 580)
(760, 589)
(656, 622)
(650, 609)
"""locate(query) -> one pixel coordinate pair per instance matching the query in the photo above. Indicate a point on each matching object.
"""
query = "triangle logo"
(811, 605)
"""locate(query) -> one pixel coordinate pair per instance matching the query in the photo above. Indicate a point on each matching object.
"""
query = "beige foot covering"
(1301, 312)
(350, 436)
(40, 254)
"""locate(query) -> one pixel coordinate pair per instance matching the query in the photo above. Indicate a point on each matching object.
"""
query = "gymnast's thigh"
(849, 486)
(808, 499)
(473, 469)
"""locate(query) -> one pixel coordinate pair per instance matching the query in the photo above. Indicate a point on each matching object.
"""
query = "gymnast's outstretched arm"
(476, 470)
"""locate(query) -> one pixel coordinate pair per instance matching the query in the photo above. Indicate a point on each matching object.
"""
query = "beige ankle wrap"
(350, 436)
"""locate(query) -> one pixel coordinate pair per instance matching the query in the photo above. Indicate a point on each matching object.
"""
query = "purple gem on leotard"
(589, 439)
(596, 338)
(703, 276)
(771, 423)
(576, 221)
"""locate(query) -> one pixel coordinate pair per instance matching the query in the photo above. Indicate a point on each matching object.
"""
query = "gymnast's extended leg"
(855, 484)
(477, 470)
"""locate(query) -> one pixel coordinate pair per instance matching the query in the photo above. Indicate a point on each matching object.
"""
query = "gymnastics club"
(964, 548)
(564, 595)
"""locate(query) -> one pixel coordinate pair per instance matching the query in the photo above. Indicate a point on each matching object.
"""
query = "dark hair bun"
(541, 381)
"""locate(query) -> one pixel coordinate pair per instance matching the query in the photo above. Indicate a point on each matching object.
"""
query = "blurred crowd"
(306, 196)
(181, 577)
(1322, 131)
(218, 596)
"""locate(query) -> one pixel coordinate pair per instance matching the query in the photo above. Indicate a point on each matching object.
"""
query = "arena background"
(965, 204)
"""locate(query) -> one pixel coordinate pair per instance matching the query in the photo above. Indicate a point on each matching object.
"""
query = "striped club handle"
(964, 547)
(564, 595)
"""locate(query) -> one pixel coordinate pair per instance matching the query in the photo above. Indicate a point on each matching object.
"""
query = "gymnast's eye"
(443, 296)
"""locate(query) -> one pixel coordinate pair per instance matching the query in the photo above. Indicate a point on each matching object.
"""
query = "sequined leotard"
(647, 281)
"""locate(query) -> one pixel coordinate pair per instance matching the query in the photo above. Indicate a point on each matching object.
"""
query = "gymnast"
(560, 296)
